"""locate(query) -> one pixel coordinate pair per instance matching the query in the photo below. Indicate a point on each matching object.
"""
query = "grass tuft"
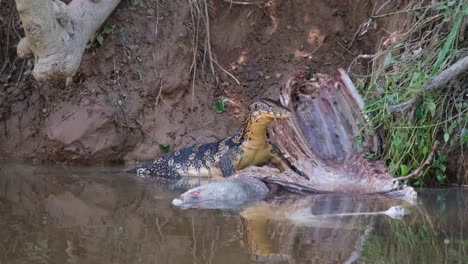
(401, 70)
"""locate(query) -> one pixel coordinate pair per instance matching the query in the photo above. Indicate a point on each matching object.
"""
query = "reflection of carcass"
(322, 141)
(312, 228)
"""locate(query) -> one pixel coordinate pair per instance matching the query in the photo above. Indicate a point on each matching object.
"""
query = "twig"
(440, 80)
(199, 8)
(244, 3)
(361, 56)
(21, 74)
(208, 38)
(228, 73)
(157, 22)
(71, 114)
(380, 8)
(346, 49)
(362, 29)
(7, 47)
(157, 98)
(418, 171)
(195, 22)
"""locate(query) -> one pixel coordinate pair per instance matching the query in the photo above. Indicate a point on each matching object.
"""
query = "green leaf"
(448, 43)
(108, 29)
(440, 177)
(397, 142)
(440, 164)
(359, 141)
(431, 106)
(416, 77)
(100, 39)
(388, 60)
(220, 104)
(404, 170)
(441, 7)
(418, 182)
(464, 136)
(442, 167)
(425, 150)
(419, 113)
(165, 147)
(446, 137)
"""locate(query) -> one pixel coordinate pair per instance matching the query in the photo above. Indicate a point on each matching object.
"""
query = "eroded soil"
(135, 91)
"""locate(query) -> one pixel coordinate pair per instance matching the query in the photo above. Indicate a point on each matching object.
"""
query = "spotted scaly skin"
(249, 147)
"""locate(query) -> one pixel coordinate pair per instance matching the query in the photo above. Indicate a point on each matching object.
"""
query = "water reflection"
(99, 215)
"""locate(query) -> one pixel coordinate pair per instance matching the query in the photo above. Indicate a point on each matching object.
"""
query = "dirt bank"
(134, 91)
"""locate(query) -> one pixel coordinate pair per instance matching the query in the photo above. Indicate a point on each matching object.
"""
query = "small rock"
(278, 75)
(15, 92)
(253, 77)
(338, 12)
(85, 102)
(267, 77)
(10, 90)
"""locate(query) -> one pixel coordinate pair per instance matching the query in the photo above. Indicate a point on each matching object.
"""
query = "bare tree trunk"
(57, 33)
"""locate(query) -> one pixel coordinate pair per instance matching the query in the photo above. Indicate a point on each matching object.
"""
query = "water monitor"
(223, 158)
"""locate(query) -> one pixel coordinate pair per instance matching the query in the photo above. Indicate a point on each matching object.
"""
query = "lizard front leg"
(226, 166)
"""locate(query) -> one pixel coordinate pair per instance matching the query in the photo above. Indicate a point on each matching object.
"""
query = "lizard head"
(268, 109)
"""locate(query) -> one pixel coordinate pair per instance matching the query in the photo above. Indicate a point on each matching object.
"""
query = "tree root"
(440, 80)
(57, 33)
(418, 172)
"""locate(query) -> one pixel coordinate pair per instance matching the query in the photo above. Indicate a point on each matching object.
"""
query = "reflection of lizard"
(225, 157)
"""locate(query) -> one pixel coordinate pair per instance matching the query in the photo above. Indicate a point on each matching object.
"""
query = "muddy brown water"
(55, 214)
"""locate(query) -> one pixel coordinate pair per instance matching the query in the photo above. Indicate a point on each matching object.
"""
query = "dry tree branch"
(418, 171)
(440, 80)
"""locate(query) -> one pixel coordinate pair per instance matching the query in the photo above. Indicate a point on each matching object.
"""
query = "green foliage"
(220, 104)
(464, 137)
(458, 14)
(136, 3)
(402, 70)
(165, 147)
(107, 30)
